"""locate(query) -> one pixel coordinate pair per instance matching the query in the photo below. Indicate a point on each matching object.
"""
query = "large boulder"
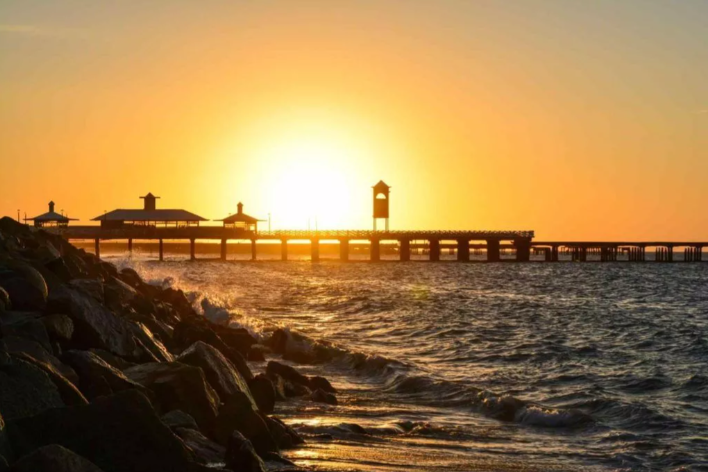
(284, 436)
(27, 327)
(59, 328)
(321, 383)
(94, 325)
(54, 458)
(241, 456)
(287, 372)
(204, 450)
(152, 346)
(178, 419)
(28, 347)
(320, 396)
(263, 392)
(25, 390)
(219, 371)
(68, 391)
(118, 433)
(239, 414)
(97, 377)
(24, 284)
(178, 386)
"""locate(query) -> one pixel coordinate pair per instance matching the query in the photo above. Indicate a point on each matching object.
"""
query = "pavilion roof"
(240, 218)
(149, 215)
(52, 216)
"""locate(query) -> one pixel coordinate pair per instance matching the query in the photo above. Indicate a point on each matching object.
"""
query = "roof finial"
(240, 207)
(51, 206)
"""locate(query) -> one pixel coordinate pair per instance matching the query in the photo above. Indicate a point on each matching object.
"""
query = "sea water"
(447, 366)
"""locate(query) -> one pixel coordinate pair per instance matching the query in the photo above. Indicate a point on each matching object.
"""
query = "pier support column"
(434, 250)
(523, 250)
(583, 254)
(375, 250)
(223, 249)
(97, 246)
(493, 250)
(161, 250)
(344, 250)
(283, 249)
(130, 246)
(554, 254)
(254, 251)
(670, 253)
(463, 250)
(192, 249)
(699, 253)
(315, 250)
(405, 250)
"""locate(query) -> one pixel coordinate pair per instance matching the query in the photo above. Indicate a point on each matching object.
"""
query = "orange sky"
(580, 120)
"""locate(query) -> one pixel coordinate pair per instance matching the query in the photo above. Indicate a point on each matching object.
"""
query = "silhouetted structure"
(51, 219)
(148, 216)
(241, 220)
(381, 199)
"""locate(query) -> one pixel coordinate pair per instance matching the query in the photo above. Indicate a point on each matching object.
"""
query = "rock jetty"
(100, 371)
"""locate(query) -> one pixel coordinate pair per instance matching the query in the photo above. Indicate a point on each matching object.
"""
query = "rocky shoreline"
(100, 371)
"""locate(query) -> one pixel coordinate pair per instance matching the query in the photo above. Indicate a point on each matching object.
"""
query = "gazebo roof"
(240, 217)
(149, 215)
(52, 216)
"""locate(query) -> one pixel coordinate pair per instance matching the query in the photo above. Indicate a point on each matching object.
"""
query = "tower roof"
(381, 186)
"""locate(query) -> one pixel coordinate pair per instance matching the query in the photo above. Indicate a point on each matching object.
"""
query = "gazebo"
(149, 216)
(241, 220)
(51, 219)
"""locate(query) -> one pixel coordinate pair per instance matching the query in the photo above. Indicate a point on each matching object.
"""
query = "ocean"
(461, 367)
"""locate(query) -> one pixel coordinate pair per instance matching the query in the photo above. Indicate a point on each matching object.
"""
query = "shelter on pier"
(149, 216)
(51, 219)
(241, 220)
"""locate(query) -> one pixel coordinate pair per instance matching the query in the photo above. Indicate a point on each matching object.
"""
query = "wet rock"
(238, 414)
(257, 353)
(53, 458)
(179, 419)
(96, 377)
(94, 325)
(279, 386)
(238, 339)
(130, 277)
(321, 396)
(27, 327)
(59, 328)
(5, 303)
(25, 390)
(220, 372)
(118, 293)
(278, 341)
(118, 433)
(113, 360)
(284, 436)
(240, 455)
(287, 372)
(321, 383)
(25, 286)
(263, 393)
(68, 391)
(203, 450)
(30, 348)
(178, 386)
(152, 346)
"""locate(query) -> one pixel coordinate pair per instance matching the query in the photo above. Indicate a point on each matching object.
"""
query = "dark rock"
(279, 386)
(238, 339)
(28, 328)
(238, 413)
(25, 390)
(273, 457)
(321, 383)
(24, 284)
(286, 372)
(321, 396)
(54, 458)
(284, 436)
(17, 345)
(5, 303)
(241, 456)
(219, 371)
(61, 269)
(113, 360)
(5, 451)
(179, 386)
(178, 419)
(278, 341)
(68, 391)
(256, 353)
(59, 328)
(91, 287)
(96, 377)
(263, 392)
(153, 347)
(203, 449)
(118, 433)
(94, 325)
(130, 277)
(118, 293)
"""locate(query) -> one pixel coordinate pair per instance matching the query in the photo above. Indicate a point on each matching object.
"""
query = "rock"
(203, 449)
(278, 341)
(241, 456)
(279, 386)
(5, 303)
(321, 383)
(28, 328)
(25, 390)
(113, 360)
(238, 413)
(238, 339)
(91, 287)
(96, 377)
(286, 372)
(118, 433)
(263, 392)
(5, 451)
(284, 436)
(118, 293)
(155, 349)
(68, 392)
(59, 328)
(179, 386)
(179, 419)
(256, 353)
(220, 372)
(130, 277)
(321, 396)
(24, 284)
(94, 325)
(53, 458)
(30, 348)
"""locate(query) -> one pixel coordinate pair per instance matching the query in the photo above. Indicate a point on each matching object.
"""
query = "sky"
(578, 119)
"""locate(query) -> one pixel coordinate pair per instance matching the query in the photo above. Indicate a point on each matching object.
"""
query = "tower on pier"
(381, 200)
